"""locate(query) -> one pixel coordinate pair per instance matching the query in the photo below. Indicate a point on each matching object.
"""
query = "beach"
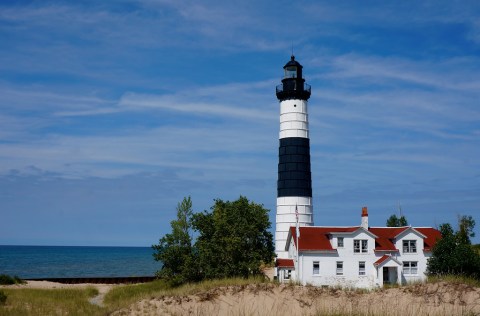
(439, 298)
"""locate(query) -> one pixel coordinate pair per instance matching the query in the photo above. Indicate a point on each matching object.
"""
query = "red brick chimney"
(365, 217)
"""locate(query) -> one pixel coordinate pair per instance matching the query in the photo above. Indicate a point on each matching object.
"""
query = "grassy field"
(76, 301)
(50, 302)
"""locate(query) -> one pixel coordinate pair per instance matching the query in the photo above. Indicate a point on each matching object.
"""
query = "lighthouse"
(294, 185)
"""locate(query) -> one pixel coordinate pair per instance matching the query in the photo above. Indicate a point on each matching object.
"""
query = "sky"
(111, 112)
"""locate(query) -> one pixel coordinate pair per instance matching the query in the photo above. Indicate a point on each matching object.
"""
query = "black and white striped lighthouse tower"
(294, 186)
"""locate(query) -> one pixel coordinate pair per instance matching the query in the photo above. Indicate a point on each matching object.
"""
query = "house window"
(339, 267)
(316, 268)
(287, 274)
(409, 246)
(360, 246)
(410, 268)
(340, 242)
(361, 268)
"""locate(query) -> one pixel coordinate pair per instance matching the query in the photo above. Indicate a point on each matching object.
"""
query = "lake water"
(79, 261)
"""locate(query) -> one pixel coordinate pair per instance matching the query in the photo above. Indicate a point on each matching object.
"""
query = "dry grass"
(430, 299)
(454, 279)
(251, 297)
(122, 296)
(50, 302)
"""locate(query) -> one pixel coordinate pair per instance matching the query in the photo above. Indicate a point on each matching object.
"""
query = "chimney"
(365, 217)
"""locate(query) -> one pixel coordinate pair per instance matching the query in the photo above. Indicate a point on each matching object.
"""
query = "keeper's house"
(359, 256)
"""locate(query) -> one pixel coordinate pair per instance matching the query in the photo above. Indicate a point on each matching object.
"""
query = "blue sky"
(112, 111)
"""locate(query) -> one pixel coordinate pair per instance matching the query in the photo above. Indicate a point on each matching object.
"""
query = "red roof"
(284, 263)
(318, 238)
(384, 242)
(432, 236)
(382, 259)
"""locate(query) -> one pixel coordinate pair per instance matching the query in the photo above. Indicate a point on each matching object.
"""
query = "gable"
(387, 261)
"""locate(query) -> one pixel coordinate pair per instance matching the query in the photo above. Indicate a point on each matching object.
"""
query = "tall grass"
(125, 295)
(50, 302)
(456, 279)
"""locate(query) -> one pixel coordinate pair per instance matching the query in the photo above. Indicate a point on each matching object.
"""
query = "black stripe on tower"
(294, 175)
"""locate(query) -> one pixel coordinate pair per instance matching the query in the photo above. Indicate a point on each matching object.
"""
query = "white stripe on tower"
(294, 186)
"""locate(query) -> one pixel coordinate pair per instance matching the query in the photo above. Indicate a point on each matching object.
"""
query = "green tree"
(465, 229)
(234, 239)
(394, 221)
(453, 253)
(175, 250)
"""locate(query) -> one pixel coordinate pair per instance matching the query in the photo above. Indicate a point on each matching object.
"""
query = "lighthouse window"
(291, 72)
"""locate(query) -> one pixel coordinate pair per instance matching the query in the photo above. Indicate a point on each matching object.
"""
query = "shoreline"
(97, 280)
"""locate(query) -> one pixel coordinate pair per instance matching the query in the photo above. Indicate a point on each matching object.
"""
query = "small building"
(357, 256)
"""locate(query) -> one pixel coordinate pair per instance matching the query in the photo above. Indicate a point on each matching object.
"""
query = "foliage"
(175, 249)
(3, 298)
(476, 248)
(394, 221)
(454, 279)
(465, 229)
(453, 253)
(125, 295)
(5, 279)
(234, 239)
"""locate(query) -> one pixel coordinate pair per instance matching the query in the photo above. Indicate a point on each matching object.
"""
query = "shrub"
(3, 298)
(5, 279)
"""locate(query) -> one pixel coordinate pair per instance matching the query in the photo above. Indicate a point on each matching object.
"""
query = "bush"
(5, 279)
(3, 298)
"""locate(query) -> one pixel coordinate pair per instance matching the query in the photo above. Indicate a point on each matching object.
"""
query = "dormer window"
(409, 246)
(360, 246)
(339, 242)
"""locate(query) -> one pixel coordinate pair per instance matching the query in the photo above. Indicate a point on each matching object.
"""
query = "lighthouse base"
(286, 218)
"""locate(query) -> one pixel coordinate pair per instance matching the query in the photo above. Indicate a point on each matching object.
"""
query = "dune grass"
(24, 301)
(50, 302)
(125, 295)
(455, 279)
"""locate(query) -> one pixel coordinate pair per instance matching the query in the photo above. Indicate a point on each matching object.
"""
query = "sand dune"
(274, 299)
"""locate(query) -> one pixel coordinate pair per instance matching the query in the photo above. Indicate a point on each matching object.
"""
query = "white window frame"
(409, 246)
(340, 242)
(287, 274)
(361, 271)
(410, 268)
(316, 268)
(339, 268)
(360, 246)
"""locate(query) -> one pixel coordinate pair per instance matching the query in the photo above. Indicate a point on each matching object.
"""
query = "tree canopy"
(453, 254)
(175, 249)
(233, 241)
(394, 221)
